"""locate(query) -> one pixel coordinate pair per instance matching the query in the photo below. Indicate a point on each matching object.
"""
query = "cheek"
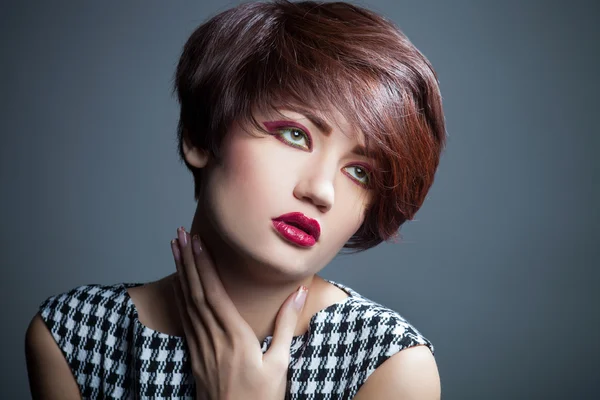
(348, 216)
(251, 167)
(235, 170)
(355, 216)
(248, 177)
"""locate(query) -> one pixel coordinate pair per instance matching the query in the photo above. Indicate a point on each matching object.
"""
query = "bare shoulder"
(409, 374)
(50, 376)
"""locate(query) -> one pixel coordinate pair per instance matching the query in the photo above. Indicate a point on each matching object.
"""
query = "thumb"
(286, 322)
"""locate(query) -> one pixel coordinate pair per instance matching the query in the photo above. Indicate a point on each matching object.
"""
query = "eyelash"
(293, 129)
(307, 137)
(366, 171)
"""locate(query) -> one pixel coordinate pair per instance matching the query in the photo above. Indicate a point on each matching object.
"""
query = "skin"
(227, 361)
(257, 277)
(259, 178)
(256, 179)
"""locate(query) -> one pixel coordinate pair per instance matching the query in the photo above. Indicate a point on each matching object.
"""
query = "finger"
(181, 291)
(190, 280)
(285, 325)
(198, 309)
(201, 343)
(191, 338)
(183, 280)
(216, 295)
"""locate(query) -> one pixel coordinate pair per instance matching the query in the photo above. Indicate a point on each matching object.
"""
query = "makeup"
(366, 169)
(298, 228)
(274, 125)
(277, 126)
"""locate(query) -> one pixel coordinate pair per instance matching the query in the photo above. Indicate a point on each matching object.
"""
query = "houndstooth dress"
(114, 356)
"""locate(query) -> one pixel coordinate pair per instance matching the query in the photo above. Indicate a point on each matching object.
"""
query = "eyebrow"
(324, 127)
(359, 150)
(319, 122)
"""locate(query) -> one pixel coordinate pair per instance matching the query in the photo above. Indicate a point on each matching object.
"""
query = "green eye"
(295, 137)
(358, 173)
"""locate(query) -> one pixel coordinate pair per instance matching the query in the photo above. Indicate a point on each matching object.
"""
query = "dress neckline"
(352, 296)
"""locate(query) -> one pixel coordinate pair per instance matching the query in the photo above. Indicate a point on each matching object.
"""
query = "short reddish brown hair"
(319, 56)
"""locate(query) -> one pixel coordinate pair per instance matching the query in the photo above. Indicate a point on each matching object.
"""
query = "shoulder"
(381, 327)
(46, 364)
(409, 374)
(87, 311)
(382, 344)
(72, 331)
(86, 296)
(85, 308)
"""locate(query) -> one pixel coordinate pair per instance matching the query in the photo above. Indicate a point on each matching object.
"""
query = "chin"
(289, 261)
(285, 260)
(271, 256)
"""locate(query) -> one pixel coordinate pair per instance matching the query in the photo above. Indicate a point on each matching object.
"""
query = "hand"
(226, 357)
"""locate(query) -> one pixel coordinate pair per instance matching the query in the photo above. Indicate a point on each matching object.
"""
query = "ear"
(194, 155)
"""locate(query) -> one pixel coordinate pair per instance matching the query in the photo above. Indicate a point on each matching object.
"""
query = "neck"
(257, 291)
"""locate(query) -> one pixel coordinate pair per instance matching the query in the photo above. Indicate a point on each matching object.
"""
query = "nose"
(316, 186)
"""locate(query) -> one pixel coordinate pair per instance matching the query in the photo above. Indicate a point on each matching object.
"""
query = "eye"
(358, 173)
(294, 137)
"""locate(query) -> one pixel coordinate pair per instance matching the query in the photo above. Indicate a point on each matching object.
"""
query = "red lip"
(298, 228)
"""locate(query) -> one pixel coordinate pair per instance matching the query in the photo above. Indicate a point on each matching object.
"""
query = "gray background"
(497, 270)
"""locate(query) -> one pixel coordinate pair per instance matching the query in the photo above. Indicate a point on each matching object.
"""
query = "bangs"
(321, 58)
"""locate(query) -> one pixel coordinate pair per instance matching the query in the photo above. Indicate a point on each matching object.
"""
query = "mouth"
(298, 228)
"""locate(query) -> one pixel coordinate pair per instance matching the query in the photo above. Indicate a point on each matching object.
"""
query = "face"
(299, 167)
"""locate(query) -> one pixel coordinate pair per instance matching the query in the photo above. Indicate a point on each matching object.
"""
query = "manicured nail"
(182, 235)
(196, 244)
(300, 297)
(175, 249)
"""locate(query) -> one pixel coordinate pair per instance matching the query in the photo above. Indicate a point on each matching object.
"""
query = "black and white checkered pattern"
(112, 355)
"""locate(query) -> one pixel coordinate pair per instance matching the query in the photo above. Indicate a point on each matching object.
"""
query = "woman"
(308, 128)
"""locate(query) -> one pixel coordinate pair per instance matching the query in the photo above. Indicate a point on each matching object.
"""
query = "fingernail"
(300, 297)
(196, 244)
(175, 250)
(182, 235)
